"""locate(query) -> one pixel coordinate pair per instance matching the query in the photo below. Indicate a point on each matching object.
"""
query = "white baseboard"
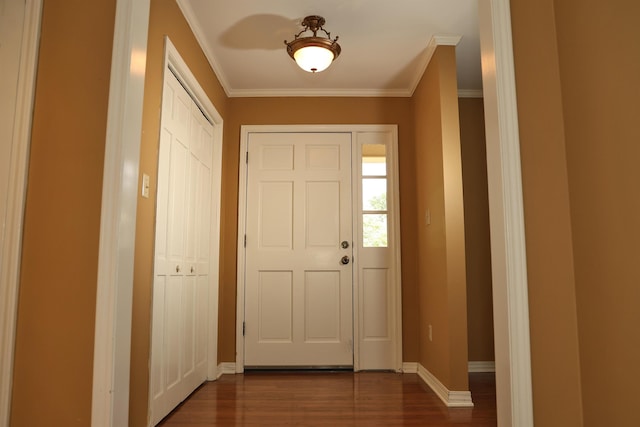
(453, 399)
(410, 367)
(482, 366)
(226, 368)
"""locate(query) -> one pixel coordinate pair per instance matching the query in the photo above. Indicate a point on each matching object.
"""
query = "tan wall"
(599, 79)
(476, 227)
(579, 144)
(552, 307)
(56, 312)
(261, 111)
(165, 19)
(441, 250)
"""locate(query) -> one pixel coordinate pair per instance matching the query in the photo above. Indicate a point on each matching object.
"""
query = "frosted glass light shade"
(314, 53)
(313, 58)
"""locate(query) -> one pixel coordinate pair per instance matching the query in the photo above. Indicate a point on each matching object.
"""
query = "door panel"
(322, 225)
(276, 215)
(322, 306)
(275, 306)
(298, 293)
(375, 303)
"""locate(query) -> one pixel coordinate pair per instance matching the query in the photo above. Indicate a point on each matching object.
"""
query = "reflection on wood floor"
(331, 399)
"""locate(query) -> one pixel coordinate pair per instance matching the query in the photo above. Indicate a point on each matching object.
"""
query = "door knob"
(344, 244)
(345, 260)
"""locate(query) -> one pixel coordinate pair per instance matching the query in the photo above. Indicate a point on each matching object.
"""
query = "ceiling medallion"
(313, 53)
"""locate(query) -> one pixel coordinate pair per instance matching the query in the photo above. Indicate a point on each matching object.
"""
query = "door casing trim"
(395, 225)
(506, 217)
(114, 293)
(11, 249)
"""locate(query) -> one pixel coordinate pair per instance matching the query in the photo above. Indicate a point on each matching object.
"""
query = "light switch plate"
(145, 185)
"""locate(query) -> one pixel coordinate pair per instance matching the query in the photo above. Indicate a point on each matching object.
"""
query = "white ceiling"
(385, 44)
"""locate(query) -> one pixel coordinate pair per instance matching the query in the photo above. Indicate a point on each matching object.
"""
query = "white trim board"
(114, 298)
(467, 93)
(23, 34)
(409, 367)
(508, 252)
(482, 366)
(226, 368)
(453, 399)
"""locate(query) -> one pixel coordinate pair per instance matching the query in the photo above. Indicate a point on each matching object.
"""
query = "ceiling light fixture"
(313, 53)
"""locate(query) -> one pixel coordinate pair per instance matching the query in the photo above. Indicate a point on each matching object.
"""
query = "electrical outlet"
(430, 333)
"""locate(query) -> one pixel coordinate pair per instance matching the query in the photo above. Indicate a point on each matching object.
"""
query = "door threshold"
(296, 369)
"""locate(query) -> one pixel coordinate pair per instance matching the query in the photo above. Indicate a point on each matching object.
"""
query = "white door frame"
(23, 37)
(511, 320)
(114, 297)
(506, 214)
(394, 231)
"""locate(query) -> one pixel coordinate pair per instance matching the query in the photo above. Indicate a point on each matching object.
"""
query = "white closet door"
(180, 291)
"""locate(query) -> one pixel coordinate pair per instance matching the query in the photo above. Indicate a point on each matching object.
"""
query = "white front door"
(299, 289)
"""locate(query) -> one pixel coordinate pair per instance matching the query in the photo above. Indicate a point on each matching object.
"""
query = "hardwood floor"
(330, 399)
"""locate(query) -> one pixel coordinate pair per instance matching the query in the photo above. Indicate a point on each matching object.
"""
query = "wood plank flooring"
(330, 399)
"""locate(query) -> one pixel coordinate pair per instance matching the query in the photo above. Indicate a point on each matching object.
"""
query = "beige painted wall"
(441, 249)
(263, 111)
(579, 146)
(476, 228)
(165, 19)
(599, 80)
(57, 295)
(550, 258)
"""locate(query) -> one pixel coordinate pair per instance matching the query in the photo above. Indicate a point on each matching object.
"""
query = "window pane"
(374, 166)
(374, 160)
(374, 230)
(374, 194)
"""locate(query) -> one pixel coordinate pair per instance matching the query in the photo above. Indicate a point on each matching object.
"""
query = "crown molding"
(190, 17)
(338, 93)
(302, 92)
(437, 40)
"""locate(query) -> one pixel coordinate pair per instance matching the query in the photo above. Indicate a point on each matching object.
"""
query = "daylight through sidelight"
(374, 196)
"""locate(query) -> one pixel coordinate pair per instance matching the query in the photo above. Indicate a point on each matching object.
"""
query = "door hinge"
(245, 240)
(243, 328)
(246, 157)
